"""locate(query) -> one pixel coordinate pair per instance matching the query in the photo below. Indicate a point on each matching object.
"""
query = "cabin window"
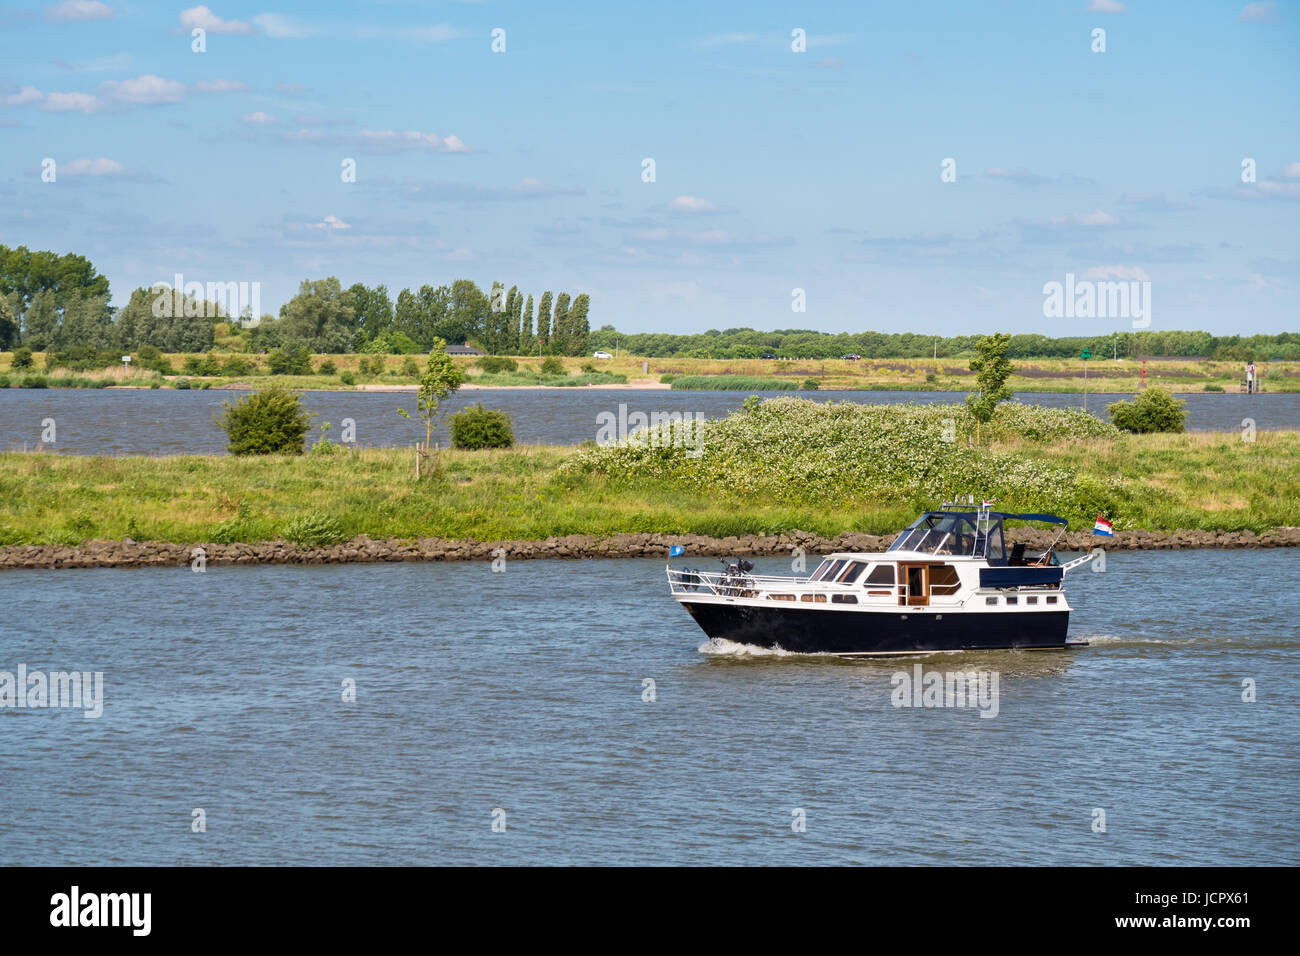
(943, 580)
(851, 573)
(1051, 600)
(1013, 600)
(991, 600)
(818, 598)
(780, 597)
(843, 599)
(1031, 600)
(828, 570)
(881, 574)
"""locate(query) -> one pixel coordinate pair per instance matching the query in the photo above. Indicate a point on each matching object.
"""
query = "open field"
(1038, 375)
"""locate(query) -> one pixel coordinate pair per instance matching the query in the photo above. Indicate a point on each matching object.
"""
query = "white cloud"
(1291, 171)
(1106, 6)
(1276, 190)
(389, 139)
(24, 97)
(71, 103)
(205, 19)
(693, 205)
(70, 11)
(329, 222)
(93, 167)
(260, 119)
(146, 90)
(1265, 12)
(222, 86)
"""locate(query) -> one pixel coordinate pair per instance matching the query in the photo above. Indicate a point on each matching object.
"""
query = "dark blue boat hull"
(808, 631)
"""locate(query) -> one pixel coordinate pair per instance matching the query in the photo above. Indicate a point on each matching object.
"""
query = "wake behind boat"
(947, 583)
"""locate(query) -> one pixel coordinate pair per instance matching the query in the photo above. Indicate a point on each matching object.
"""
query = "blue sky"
(774, 169)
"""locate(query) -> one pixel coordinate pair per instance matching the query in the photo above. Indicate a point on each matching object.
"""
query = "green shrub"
(410, 369)
(210, 365)
(551, 365)
(22, 358)
(82, 358)
(269, 422)
(476, 427)
(327, 367)
(314, 529)
(236, 365)
(191, 365)
(811, 384)
(35, 381)
(1212, 387)
(589, 368)
(181, 383)
(493, 364)
(347, 378)
(4, 381)
(289, 361)
(669, 378)
(1154, 410)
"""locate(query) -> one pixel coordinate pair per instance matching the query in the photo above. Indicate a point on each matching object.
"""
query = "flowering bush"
(797, 451)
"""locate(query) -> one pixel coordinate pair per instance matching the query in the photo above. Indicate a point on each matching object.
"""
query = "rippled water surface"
(169, 422)
(523, 691)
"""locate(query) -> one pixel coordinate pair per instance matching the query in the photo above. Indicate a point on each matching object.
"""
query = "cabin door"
(917, 579)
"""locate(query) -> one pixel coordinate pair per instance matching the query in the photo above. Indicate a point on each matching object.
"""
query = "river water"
(169, 422)
(523, 691)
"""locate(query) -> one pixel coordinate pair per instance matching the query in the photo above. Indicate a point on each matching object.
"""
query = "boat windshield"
(952, 533)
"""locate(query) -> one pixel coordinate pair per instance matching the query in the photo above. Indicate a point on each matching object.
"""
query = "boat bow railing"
(726, 583)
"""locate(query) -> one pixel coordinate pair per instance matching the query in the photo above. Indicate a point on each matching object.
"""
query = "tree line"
(50, 301)
(58, 302)
(746, 343)
(325, 317)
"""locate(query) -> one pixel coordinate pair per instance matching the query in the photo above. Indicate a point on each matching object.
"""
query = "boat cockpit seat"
(1017, 558)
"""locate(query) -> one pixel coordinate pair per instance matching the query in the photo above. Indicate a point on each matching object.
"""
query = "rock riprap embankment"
(133, 554)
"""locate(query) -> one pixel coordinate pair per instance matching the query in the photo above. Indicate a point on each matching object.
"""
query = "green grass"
(1171, 482)
(734, 383)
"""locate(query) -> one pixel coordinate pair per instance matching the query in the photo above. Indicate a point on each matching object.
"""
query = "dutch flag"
(1103, 527)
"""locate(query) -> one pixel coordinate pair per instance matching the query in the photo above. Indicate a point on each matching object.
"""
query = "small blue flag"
(674, 550)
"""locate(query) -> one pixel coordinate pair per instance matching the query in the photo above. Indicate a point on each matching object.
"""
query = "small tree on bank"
(1154, 410)
(992, 368)
(441, 377)
(269, 422)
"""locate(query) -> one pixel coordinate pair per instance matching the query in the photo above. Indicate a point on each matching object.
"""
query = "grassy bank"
(1154, 482)
(1040, 375)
